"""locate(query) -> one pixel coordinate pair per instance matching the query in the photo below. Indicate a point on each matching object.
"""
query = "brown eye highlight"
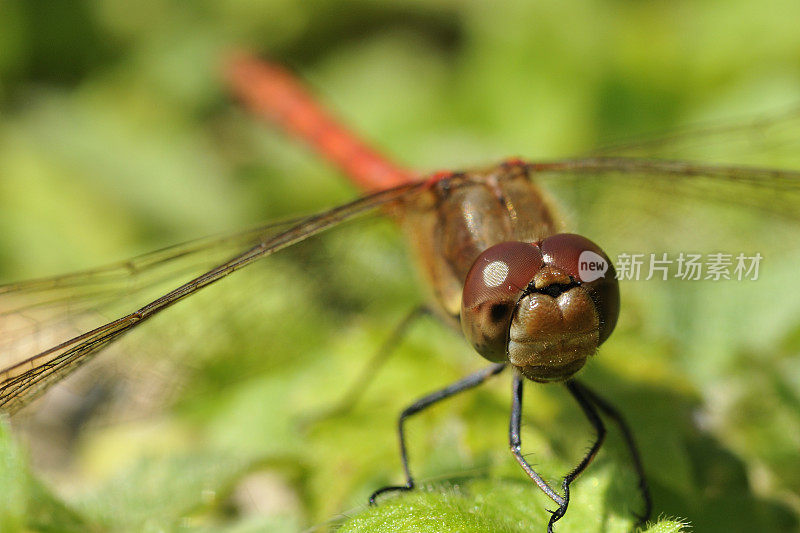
(494, 285)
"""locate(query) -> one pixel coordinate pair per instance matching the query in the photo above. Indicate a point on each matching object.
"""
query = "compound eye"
(494, 285)
(587, 264)
(575, 255)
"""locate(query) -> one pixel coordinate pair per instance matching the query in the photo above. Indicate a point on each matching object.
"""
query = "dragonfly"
(498, 257)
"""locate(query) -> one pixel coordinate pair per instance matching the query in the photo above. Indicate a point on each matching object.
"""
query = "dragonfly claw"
(392, 488)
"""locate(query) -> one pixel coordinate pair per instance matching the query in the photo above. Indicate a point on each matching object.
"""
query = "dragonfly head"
(544, 307)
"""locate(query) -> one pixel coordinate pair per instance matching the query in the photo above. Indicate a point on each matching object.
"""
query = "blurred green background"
(117, 136)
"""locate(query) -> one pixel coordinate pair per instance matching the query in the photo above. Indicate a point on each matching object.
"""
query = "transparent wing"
(768, 139)
(722, 184)
(28, 306)
(23, 380)
(630, 201)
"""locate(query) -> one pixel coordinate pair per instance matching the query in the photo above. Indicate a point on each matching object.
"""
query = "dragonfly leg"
(356, 389)
(614, 414)
(514, 442)
(469, 382)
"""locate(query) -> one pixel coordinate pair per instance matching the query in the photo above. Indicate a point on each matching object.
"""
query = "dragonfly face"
(541, 306)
